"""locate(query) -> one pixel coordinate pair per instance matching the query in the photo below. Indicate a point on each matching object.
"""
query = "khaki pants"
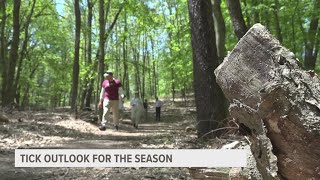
(107, 106)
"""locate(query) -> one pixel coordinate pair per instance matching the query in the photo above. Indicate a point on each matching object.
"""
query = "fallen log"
(276, 103)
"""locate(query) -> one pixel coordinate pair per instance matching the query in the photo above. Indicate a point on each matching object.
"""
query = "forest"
(54, 54)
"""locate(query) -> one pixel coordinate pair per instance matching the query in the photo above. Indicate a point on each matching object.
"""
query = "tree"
(220, 29)
(75, 74)
(208, 95)
(125, 79)
(23, 50)
(8, 97)
(312, 39)
(159, 31)
(102, 24)
(89, 68)
(3, 59)
(235, 12)
(89, 51)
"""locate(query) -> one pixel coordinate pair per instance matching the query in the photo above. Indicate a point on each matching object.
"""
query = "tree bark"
(310, 37)
(100, 53)
(144, 65)
(75, 74)
(220, 29)
(125, 80)
(3, 48)
(155, 78)
(310, 56)
(235, 12)
(168, 19)
(9, 91)
(89, 50)
(209, 97)
(136, 61)
(276, 103)
(23, 50)
(89, 81)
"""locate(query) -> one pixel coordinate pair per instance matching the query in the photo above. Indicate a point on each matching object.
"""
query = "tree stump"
(276, 103)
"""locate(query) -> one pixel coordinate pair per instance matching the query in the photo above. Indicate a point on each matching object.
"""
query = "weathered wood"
(277, 104)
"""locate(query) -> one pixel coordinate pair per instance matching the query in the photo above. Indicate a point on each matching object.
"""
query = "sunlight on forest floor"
(44, 129)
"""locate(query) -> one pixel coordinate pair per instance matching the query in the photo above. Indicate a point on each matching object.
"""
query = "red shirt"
(111, 89)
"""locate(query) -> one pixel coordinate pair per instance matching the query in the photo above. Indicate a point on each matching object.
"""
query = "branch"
(113, 23)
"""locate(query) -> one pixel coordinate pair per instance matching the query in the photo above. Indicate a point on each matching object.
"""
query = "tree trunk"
(9, 92)
(26, 97)
(150, 59)
(89, 93)
(170, 32)
(125, 80)
(102, 24)
(235, 12)
(109, 30)
(173, 87)
(277, 21)
(220, 29)
(3, 48)
(208, 95)
(276, 103)
(90, 81)
(310, 56)
(23, 50)
(155, 84)
(317, 45)
(144, 60)
(75, 74)
(136, 57)
(101, 53)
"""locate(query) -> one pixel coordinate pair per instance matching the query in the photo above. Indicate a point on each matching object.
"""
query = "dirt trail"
(60, 130)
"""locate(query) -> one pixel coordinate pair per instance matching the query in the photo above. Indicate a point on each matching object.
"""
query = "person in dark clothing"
(158, 108)
(145, 105)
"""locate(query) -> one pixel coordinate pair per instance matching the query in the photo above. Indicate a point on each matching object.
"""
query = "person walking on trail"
(158, 108)
(137, 110)
(109, 99)
(145, 106)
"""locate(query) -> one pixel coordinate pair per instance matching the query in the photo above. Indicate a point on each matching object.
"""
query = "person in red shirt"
(109, 99)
